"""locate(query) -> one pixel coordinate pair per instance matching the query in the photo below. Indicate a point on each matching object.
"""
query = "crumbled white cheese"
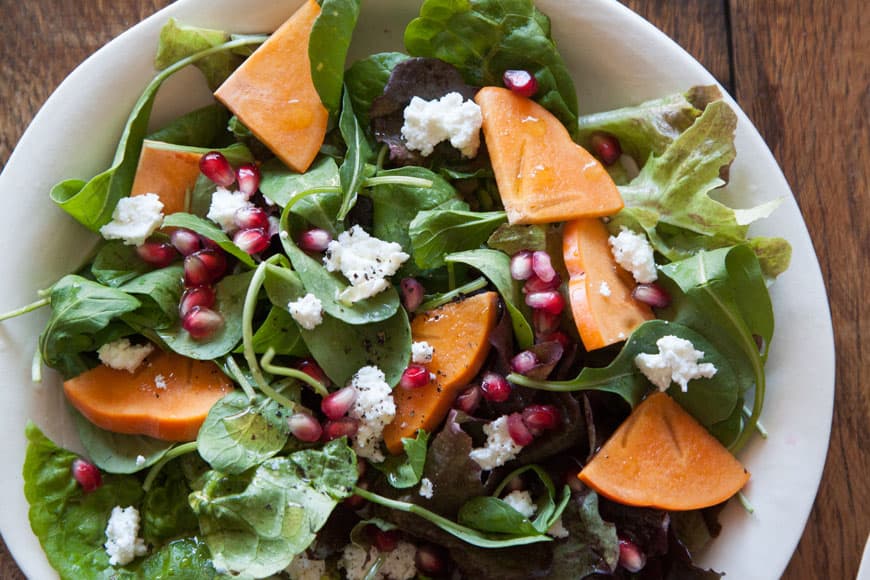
(677, 361)
(160, 382)
(122, 542)
(422, 352)
(374, 408)
(604, 289)
(140, 460)
(134, 219)
(365, 261)
(307, 311)
(634, 253)
(427, 488)
(304, 568)
(522, 502)
(557, 530)
(223, 208)
(398, 564)
(428, 123)
(500, 446)
(123, 356)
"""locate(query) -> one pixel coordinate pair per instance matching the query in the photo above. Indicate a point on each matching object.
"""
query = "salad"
(414, 317)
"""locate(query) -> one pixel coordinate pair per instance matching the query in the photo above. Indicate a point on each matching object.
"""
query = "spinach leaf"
(281, 184)
(165, 510)
(591, 547)
(186, 559)
(239, 433)
(280, 333)
(117, 452)
(496, 266)
(159, 292)
(117, 263)
(435, 233)
(366, 78)
(327, 48)
(92, 202)
(511, 239)
(255, 523)
(353, 168)
(491, 514)
(405, 471)
(230, 298)
(178, 41)
(208, 230)
(483, 38)
(199, 128)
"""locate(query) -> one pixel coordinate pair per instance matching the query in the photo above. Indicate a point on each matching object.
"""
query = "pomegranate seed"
(630, 556)
(521, 265)
(413, 293)
(203, 296)
(185, 241)
(86, 475)
(216, 167)
(468, 401)
(313, 370)
(549, 301)
(521, 82)
(518, 430)
(606, 147)
(249, 179)
(651, 294)
(524, 362)
(336, 405)
(305, 427)
(204, 267)
(557, 336)
(201, 322)
(535, 284)
(355, 502)
(252, 241)
(314, 240)
(414, 377)
(543, 267)
(345, 427)
(541, 417)
(159, 254)
(544, 322)
(495, 388)
(386, 540)
(430, 559)
(251, 217)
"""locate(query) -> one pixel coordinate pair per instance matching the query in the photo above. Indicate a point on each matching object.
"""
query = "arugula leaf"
(511, 239)
(353, 168)
(405, 471)
(483, 38)
(117, 263)
(491, 514)
(178, 41)
(327, 48)
(591, 547)
(199, 128)
(117, 452)
(208, 230)
(435, 233)
(165, 510)
(281, 184)
(366, 78)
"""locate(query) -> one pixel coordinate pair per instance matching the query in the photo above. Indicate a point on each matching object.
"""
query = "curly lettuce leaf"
(366, 78)
(178, 41)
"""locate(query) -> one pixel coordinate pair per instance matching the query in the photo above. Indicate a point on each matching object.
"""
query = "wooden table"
(799, 68)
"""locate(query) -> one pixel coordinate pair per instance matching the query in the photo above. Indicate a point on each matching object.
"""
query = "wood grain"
(800, 70)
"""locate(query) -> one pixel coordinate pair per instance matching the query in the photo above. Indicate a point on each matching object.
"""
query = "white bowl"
(616, 58)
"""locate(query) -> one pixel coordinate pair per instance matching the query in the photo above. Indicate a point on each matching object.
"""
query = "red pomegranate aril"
(252, 241)
(521, 82)
(549, 301)
(524, 362)
(86, 475)
(557, 336)
(345, 427)
(518, 430)
(305, 427)
(414, 377)
(336, 405)
(216, 167)
(430, 560)
(541, 417)
(606, 147)
(314, 240)
(544, 322)
(469, 400)
(313, 370)
(521, 265)
(652, 295)
(251, 217)
(204, 267)
(203, 296)
(386, 540)
(535, 284)
(159, 254)
(630, 556)
(543, 267)
(495, 388)
(413, 294)
(185, 241)
(248, 176)
(201, 322)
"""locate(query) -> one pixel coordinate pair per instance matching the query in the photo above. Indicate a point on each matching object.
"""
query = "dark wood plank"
(802, 76)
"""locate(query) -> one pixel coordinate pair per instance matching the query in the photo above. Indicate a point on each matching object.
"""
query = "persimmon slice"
(168, 171)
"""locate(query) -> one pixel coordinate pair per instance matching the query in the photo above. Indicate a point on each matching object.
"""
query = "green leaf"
(185, 559)
(199, 128)
(208, 230)
(330, 470)
(366, 78)
(483, 38)
(774, 255)
(405, 471)
(327, 48)
(435, 233)
(591, 547)
(178, 41)
(353, 168)
(281, 184)
(496, 266)
(117, 452)
(491, 514)
(161, 288)
(117, 263)
(281, 333)
(165, 510)
(511, 239)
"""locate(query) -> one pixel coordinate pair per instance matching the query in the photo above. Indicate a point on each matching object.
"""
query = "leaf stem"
(382, 156)
(313, 191)
(758, 426)
(240, 377)
(744, 501)
(372, 572)
(176, 451)
(36, 366)
(442, 299)
(26, 309)
(266, 363)
(397, 180)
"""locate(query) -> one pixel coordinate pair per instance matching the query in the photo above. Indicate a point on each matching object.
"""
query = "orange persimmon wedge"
(273, 95)
(542, 175)
(459, 333)
(599, 289)
(167, 397)
(662, 458)
(169, 172)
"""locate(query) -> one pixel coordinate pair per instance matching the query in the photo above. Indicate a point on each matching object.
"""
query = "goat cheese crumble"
(557, 530)
(398, 564)
(122, 542)
(307, 311)
(427, 489)
(422, 352)
(500, 446)
(521, 501)
(223, 208)
(633, 252)
(374, 408)
(123, 356)
(134, 219)
(365, 261)
(676, 361)
(428, 123)
(304, 568)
